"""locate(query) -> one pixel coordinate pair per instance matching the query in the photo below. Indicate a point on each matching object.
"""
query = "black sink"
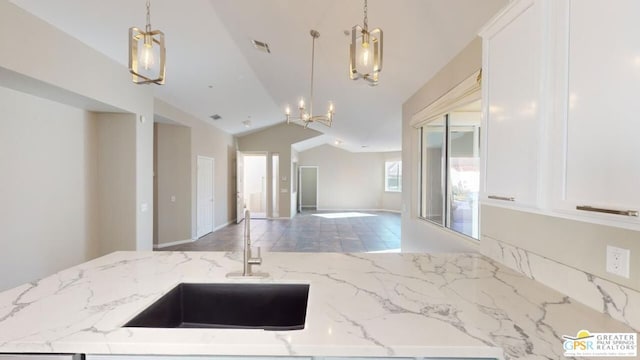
(230, 306)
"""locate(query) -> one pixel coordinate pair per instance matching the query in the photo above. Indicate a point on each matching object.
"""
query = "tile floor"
(309, 232)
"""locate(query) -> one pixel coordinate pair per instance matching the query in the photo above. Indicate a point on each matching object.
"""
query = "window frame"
(387, 176)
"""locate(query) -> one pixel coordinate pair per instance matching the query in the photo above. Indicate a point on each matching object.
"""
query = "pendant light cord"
(366, 17)
(148, 27)
(313, 51)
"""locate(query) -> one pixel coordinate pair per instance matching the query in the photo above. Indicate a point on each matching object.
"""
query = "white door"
(204, 188)
(239, 187)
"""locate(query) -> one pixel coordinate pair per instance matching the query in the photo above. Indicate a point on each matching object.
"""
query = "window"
(450, 170)
(393, 176)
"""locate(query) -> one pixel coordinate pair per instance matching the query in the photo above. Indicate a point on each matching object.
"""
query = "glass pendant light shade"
(365, 52)
(147, 54)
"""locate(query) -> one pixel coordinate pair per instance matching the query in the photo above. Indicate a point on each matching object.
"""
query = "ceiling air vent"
(216, 117)
(262, 46)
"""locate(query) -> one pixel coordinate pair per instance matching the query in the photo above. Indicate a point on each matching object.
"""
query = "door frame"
(267, 181)
(239, 189)
(213, 167)
(300, 189)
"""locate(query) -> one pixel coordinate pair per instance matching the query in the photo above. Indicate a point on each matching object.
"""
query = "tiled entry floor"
(309, 232)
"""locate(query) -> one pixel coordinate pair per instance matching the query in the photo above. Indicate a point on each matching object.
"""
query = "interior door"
(239, 187)
(204, 189)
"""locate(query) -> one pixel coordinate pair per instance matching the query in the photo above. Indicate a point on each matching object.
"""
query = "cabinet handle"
(609, 211)
(504, 198)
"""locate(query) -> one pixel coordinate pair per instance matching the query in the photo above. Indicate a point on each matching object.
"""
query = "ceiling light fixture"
(365, 52)
(147, 53)
(306, 117)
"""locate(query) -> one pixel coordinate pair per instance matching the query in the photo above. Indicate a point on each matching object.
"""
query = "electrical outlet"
(618, 261)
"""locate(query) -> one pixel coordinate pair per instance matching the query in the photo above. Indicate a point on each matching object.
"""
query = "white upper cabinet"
(596, 127)
(512, 84)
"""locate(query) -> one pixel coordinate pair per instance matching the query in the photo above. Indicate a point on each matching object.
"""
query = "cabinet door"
(512, 76)
(601, 145)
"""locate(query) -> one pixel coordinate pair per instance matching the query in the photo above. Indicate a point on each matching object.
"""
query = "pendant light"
(365, 52)
(147, 53)
(305, 116)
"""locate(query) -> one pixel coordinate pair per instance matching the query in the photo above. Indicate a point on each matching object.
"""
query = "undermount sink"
(229, 306)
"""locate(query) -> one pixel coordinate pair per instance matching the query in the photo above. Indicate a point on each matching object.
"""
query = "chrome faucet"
(247, 260)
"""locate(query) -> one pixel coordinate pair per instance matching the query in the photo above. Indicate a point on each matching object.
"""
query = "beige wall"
(173, 183)
(418, 234)
(349, 180)
(48, 187)
(308, 187)
(207, 140)
(278, 139)
(116, 182)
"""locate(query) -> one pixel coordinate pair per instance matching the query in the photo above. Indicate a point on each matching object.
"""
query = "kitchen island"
(367, 305)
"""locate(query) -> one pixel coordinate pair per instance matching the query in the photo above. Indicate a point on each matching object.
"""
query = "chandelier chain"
(366, 17)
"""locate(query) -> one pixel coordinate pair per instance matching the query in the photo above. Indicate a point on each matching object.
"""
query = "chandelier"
(365, 52)
(147, 53)
(305, 116)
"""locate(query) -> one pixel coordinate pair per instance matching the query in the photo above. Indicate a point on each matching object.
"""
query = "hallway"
(309, 232)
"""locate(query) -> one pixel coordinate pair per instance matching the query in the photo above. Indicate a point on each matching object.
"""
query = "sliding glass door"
(450, 170)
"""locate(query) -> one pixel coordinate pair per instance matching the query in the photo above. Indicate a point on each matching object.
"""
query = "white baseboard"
(392, 211)
(179, 242)
(362, 210)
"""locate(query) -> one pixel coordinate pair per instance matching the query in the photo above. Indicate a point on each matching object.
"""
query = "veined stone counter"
(399, 305)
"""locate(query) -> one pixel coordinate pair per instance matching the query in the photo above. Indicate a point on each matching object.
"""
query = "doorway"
(204, 195)
(308, 188)
(275, 192)
(255, 184)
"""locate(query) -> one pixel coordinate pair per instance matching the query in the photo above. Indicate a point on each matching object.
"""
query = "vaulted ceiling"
(212, 67)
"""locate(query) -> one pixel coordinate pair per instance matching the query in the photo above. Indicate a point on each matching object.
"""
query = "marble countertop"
(404, 305)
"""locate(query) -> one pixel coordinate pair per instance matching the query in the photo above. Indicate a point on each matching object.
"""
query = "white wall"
(350, 181)
(173, 184)
(207, 140)
(48, 187)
